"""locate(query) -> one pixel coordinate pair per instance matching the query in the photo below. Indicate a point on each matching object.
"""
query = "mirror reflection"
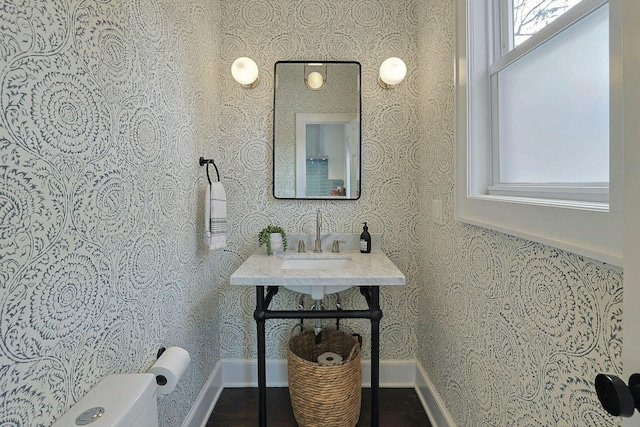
(316, 135)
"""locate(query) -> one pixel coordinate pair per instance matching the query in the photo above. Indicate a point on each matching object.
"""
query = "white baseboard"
(233, 373)
(206, 401)
(244, 373)
(431, 401)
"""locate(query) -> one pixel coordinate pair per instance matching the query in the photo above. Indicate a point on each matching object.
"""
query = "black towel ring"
(207, 162)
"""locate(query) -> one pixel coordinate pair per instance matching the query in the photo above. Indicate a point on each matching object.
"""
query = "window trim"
(594, 195)
(580, 227)
(574, 191)
(570, 17)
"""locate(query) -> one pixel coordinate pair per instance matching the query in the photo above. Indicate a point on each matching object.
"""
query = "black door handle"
(614, 395)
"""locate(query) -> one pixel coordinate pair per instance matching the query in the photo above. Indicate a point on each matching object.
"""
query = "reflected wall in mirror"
(316, 130)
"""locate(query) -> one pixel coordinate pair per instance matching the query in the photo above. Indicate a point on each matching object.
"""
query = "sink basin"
(317, 291)
(317, 263)
(319, 274)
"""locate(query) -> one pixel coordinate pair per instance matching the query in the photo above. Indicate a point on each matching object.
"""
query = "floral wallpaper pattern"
(512, 332)
(105, 106)
(364, 31)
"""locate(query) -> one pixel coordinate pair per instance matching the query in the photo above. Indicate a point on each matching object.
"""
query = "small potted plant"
(273, 237)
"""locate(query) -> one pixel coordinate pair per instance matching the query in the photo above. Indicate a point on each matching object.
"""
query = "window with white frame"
(537, 111)
(549, 84)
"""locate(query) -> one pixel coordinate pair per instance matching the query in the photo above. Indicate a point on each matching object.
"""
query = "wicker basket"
(324, 396)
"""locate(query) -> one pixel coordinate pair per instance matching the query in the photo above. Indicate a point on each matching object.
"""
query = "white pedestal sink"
(318, 274)
(317, 262)
(320, 262)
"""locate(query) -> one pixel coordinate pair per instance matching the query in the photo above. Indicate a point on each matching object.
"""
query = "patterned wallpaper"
(367, 31)
(512, 333)
(105, 107)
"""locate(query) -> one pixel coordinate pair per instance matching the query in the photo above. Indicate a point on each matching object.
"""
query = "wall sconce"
(245, 71)
(315, 79)
(392, 71)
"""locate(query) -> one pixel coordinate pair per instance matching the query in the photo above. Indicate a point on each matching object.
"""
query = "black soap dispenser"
(365, 240)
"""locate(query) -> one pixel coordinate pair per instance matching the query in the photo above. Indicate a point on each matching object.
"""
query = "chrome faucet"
(318, 246)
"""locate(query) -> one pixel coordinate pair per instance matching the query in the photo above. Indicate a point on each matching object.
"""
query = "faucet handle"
(335, 248)
(301, 246)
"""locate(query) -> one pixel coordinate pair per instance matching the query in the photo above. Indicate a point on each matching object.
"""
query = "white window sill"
(551, 203)
(596, 196)
(584, 228)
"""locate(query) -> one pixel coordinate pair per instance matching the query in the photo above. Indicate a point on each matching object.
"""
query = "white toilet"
(117, 401)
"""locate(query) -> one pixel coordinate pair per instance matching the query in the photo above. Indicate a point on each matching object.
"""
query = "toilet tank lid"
(122, 396)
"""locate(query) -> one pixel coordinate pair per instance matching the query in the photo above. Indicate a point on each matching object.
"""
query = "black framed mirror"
(316, 130)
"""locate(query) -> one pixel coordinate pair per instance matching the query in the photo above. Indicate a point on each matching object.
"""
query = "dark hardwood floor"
(238, 407)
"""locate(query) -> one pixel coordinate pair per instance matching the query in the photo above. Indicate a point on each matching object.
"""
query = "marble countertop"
(373, 269)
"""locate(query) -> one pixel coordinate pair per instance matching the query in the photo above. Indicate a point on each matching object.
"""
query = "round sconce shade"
(245, 71)
(392, 71)
(315, 80)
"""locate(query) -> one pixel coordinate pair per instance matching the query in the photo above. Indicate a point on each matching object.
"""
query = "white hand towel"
(215, 216)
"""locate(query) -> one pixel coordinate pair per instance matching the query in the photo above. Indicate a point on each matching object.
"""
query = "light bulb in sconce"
(392, 71)
(245, 71)
(315, 80)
